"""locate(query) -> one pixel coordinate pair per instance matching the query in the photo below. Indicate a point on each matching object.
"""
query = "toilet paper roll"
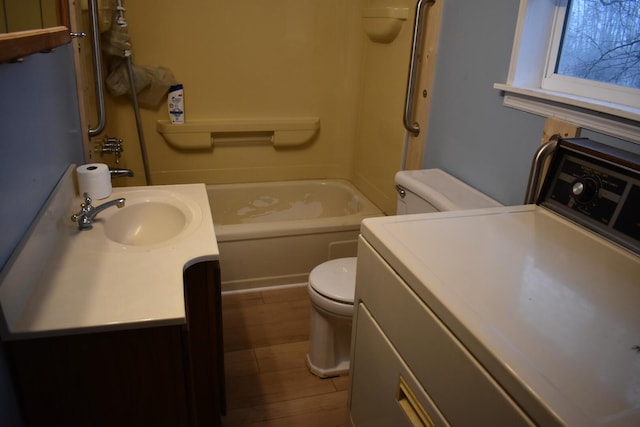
(94, 179)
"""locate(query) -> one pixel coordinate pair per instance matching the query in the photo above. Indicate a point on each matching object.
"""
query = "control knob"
(584, 189)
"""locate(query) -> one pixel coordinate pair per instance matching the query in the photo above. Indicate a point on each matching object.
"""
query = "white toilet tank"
(434, 190)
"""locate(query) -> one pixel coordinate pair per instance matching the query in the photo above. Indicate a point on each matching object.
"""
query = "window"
(578, 60)
(595, 50)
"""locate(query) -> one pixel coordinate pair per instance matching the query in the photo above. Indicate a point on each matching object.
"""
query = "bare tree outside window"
(601, 42)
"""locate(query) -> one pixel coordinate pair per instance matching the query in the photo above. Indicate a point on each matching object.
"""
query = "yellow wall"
(24, 15)
(380, 132)
(257, 59)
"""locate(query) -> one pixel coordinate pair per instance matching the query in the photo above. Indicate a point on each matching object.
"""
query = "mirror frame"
(15, 46)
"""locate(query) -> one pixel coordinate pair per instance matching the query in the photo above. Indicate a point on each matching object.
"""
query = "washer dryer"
(522, 315)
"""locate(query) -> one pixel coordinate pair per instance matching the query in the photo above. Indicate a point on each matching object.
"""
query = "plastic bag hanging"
(151, 83)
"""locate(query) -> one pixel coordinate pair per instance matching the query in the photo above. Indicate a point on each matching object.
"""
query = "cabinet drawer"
(377, 399)
(460, 387)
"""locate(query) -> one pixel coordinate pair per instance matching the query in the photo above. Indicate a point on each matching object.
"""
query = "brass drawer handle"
(412, 408)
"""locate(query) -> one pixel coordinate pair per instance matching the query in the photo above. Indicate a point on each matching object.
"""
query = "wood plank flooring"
(268, 383)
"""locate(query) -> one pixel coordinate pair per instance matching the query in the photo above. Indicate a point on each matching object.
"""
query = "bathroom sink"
(126, 270)
(149, 217)
(145, 224)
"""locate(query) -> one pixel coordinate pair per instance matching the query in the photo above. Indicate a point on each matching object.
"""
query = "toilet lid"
(335, 279)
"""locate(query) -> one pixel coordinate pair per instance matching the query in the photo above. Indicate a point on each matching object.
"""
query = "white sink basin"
(149, 217)
(146, 223)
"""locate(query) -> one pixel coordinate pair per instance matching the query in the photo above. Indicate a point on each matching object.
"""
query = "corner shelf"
(382, 24)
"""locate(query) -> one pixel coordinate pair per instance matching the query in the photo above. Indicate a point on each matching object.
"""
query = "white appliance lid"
(530, 294)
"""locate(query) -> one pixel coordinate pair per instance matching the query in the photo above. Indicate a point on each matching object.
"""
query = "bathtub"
(272, 234)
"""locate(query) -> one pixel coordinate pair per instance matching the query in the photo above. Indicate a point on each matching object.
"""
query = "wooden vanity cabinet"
(156, 376)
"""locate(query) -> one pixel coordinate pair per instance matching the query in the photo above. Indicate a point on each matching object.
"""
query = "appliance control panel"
(598, 187)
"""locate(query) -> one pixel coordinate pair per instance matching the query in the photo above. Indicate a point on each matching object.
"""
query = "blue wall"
(39, 138)
(471, 134)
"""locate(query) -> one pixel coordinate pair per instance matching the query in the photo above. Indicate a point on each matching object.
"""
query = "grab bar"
(409, 124)
(537, 165)
(97, 68)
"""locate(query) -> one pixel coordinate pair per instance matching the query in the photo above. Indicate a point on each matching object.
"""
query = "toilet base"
(331, 290)
(329, 343)
(341, 369)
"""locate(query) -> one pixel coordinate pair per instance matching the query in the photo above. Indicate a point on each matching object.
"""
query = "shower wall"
(380, 134)
(276, 59)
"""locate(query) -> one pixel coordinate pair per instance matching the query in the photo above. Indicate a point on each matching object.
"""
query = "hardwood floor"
(268, 383)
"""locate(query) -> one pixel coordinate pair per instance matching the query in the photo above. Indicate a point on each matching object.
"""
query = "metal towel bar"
(416, 45)
(97, 69)
(537, 165)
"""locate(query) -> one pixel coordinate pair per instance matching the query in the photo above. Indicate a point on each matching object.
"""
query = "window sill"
(612, 119)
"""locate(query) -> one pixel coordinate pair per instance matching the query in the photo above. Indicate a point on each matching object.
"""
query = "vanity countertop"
(61, 280)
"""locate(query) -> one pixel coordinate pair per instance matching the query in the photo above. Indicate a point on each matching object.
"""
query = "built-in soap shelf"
(204, 134)
(382, 24)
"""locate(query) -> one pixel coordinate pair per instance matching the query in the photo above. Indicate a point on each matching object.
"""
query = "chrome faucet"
(116, 173)
(88, 212)
(110, 145)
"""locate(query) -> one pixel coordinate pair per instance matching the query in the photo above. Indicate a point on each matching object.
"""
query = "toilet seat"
(335, 280)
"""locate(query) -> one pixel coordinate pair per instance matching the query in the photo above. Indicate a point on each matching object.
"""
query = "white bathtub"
(274, 233)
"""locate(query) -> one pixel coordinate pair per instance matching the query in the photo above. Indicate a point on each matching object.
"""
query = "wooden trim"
(416, 144)
(557, 127)
(62, 9)
(17, 45)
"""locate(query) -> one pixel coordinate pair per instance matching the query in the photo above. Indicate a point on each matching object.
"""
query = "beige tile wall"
(250, 59)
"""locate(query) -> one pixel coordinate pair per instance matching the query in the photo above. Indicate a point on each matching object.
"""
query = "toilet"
(331, 285)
